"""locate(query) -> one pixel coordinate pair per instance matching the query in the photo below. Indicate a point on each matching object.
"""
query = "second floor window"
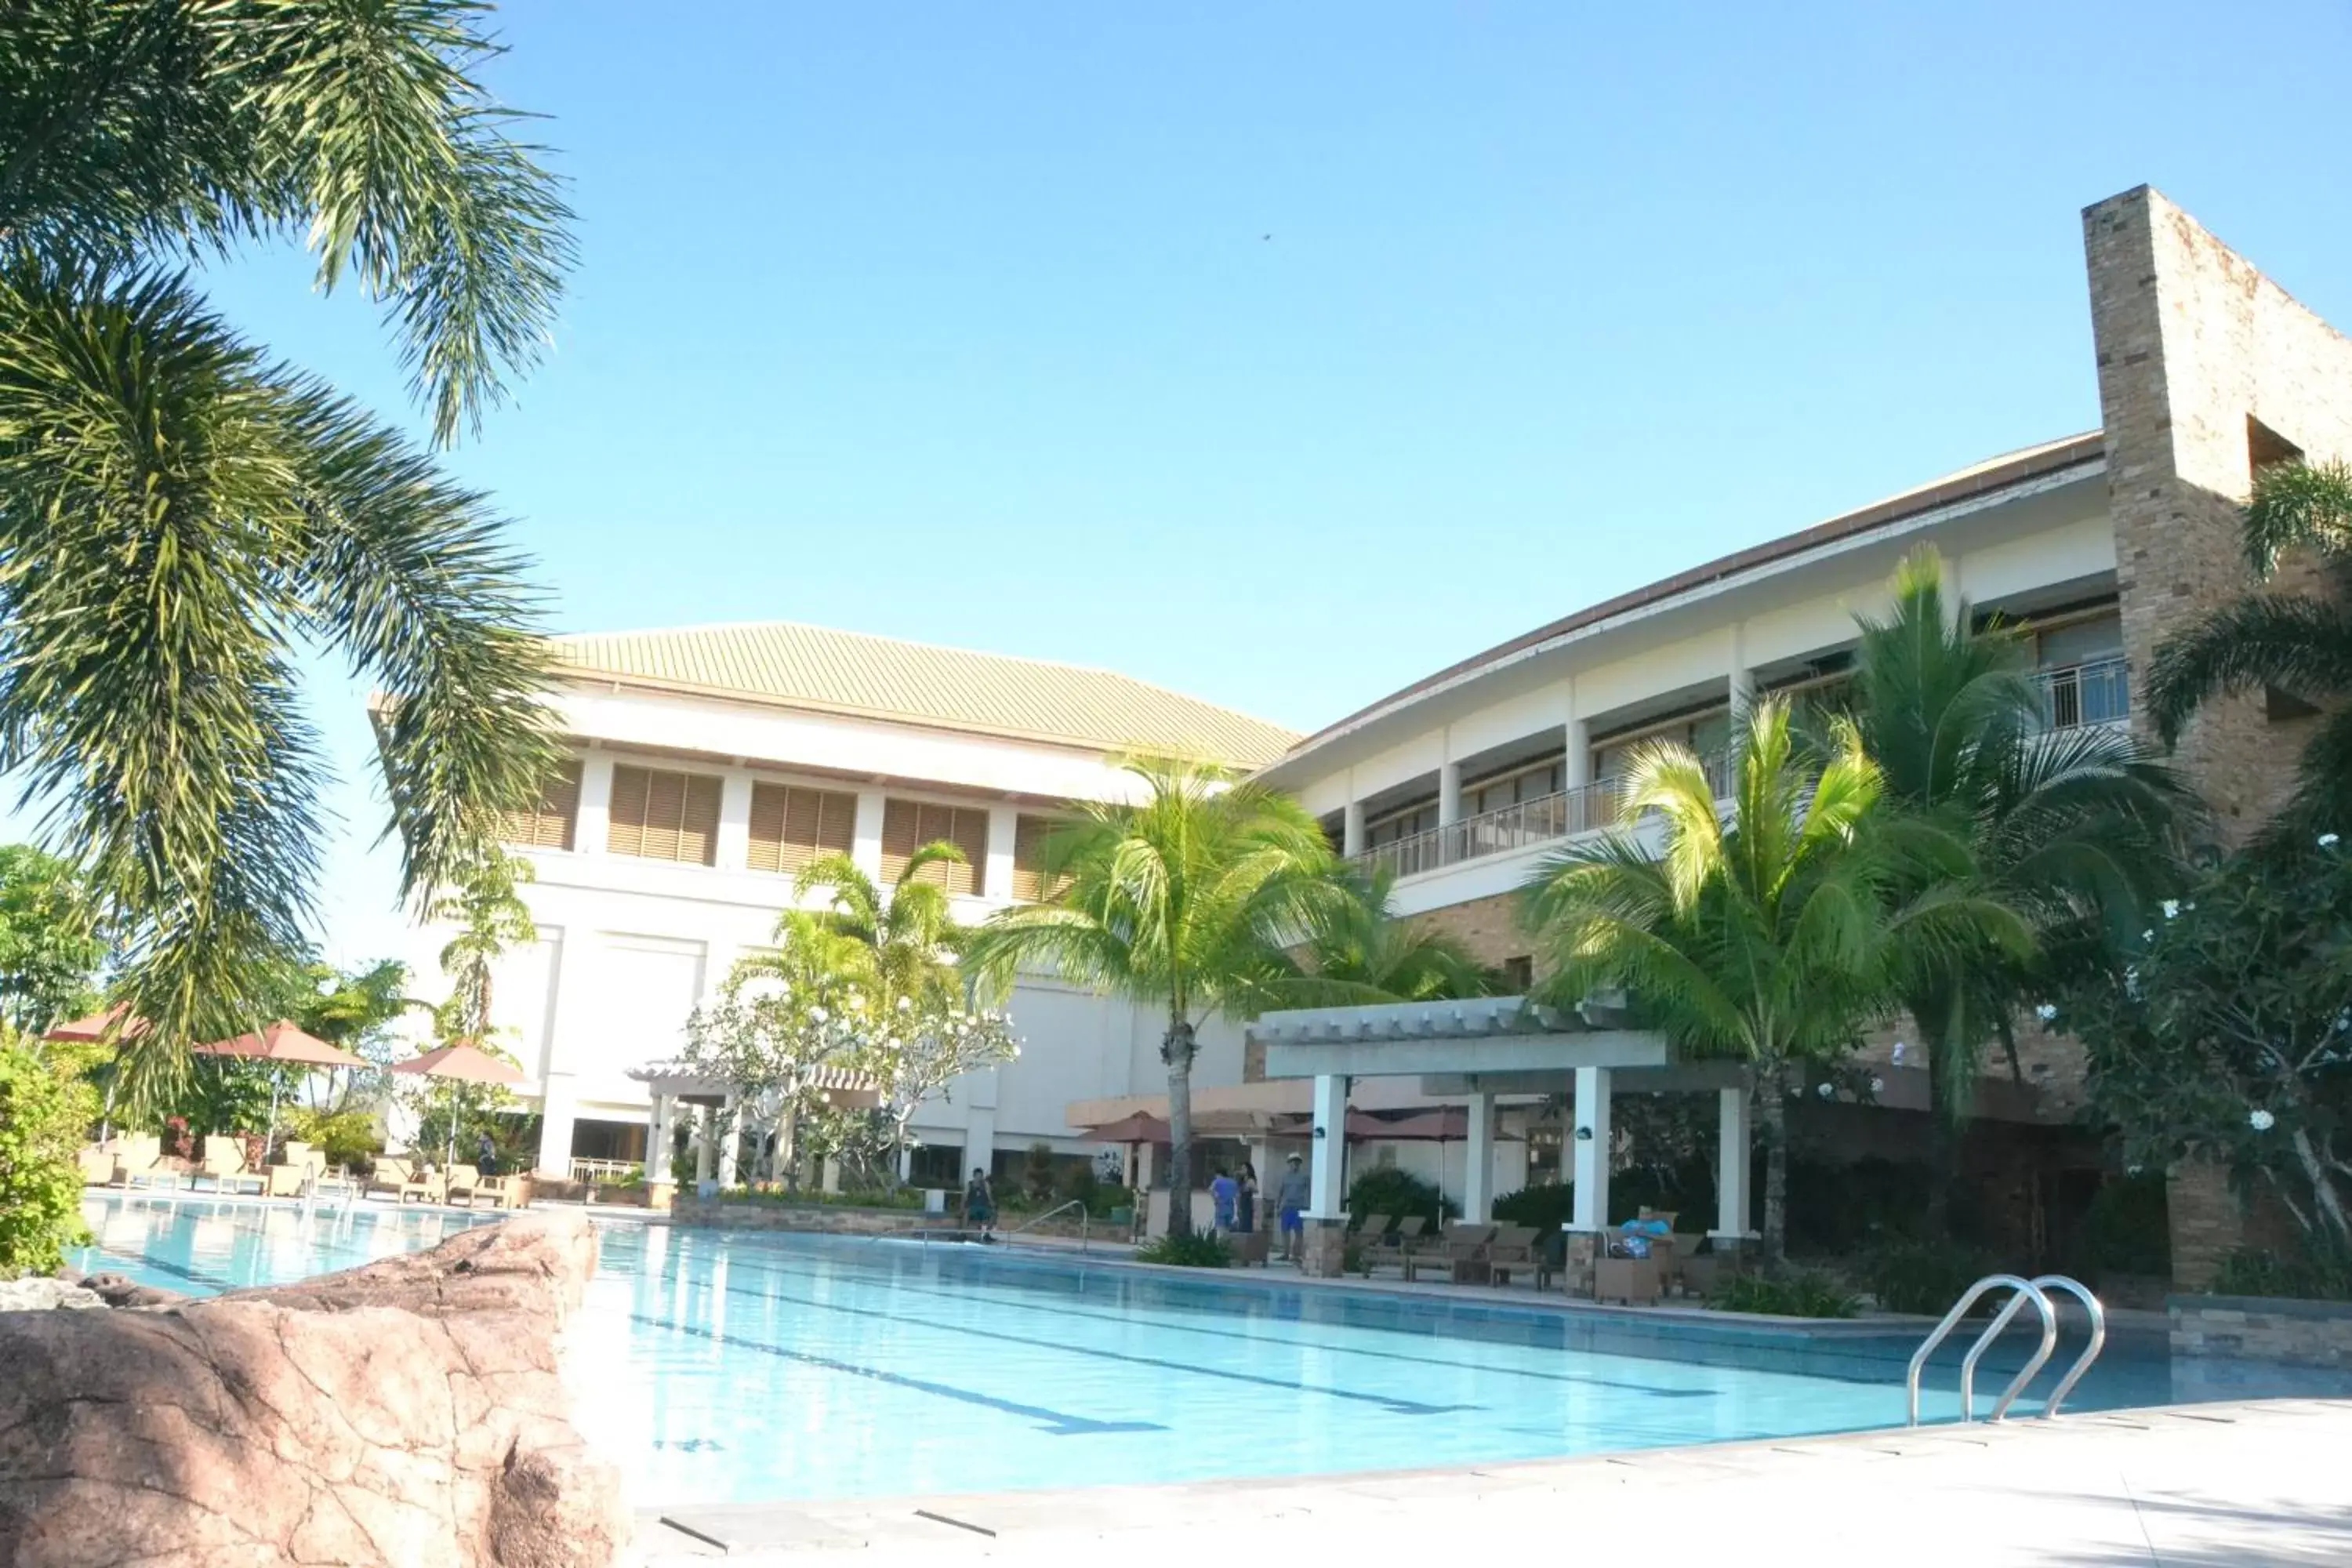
(792, 826)
(548, 824)
(657, 815)
(909, 825)
(1029, 835)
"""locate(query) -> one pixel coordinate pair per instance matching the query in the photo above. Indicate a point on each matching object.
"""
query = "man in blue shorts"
(1291, 1200)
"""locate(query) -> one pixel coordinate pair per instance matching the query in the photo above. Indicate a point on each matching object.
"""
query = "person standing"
(1245, 1199)
(979, 1204)
(485, 1157)
(1290, 1201)
(1223, 1191)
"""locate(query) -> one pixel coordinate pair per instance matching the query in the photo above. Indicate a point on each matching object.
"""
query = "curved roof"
(856, 675)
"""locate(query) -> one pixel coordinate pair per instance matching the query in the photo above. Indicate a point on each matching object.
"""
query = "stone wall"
(407, 1413)
(1488, 928)
(2193, 344)
(2298, 1333)
(823, 1219)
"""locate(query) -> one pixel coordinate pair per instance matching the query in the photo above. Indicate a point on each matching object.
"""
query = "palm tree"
(181, 515)
(902, 945)
(1359, 941)
(2297, 643)
(1764, 935)
(2072, 830)
(491, 918)
(1186, 900)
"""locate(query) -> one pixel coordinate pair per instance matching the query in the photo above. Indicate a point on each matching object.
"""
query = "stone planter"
(829, 1219)
(2263, 1328)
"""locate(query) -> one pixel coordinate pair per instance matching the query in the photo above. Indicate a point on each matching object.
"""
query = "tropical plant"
(2296, 643)
(1360, 941)
(1183, 1249)
(2227, 1035)
(1399, 1194)
(46, 1109)
(50, 945)
(1767, 934)
(2072, 831)
(491, 918)
(903, 945)
(1186, 901)
(182, 517)
(1803, 1294)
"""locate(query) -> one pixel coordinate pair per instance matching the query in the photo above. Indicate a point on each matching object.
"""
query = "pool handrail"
(2026, 1291)
(2098, 1314)
(1077, 1204)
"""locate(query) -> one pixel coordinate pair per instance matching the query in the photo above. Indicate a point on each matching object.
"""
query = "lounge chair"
(503, 1191)
(388, 1177)
(223, 1165)
(1417, 1246)
(425, 1187)
(299, 1166)
(1464, 1247)
(459, 1185)
(97, 1162)
(1516, 1248)
(1370, 1238)
(139, 1162)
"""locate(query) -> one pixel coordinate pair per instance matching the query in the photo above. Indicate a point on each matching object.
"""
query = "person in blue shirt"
(1223, 1191)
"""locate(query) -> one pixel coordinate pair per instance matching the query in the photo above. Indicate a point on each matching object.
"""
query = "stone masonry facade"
(2298, 1333)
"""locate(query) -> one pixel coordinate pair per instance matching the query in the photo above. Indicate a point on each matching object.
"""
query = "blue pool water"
(738, 1368)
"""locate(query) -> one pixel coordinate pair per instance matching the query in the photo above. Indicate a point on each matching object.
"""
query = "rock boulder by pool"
(408, 1413)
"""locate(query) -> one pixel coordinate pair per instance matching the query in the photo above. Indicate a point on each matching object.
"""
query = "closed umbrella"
(460, 1062)
(282, 1044)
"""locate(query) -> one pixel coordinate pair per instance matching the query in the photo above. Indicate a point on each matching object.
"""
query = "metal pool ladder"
(2034, 1291)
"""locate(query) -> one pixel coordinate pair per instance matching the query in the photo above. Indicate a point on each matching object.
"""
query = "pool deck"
(2190, 1487)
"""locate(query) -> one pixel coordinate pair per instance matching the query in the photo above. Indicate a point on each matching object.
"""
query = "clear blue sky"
(1280, 354)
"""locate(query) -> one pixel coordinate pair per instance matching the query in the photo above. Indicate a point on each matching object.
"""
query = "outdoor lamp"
(1584, 1134)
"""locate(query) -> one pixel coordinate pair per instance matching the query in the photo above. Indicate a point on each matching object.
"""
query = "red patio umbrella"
(460, 1061)
(95, 1026)
(282, 1044)
(1135, 1128)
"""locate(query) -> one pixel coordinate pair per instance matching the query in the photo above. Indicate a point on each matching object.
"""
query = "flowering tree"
(925, 1046)
(2228, 1033)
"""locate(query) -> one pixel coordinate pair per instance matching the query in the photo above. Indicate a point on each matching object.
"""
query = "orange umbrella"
(460, 1061)
(282, 1044)
(96, 1025)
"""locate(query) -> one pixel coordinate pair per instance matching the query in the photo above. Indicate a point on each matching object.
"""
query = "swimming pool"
(745, 1368)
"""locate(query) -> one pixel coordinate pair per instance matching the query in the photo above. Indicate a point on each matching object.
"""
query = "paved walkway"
(2208, 1486)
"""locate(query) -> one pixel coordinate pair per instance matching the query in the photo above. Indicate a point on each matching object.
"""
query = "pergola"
(1492, 1046)
(673, 1084)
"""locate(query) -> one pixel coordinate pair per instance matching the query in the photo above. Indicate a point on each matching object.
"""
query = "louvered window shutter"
(697, 838)
(625, 832)
(901, 836)
(548, 824)
(765, 852)
(664, 813)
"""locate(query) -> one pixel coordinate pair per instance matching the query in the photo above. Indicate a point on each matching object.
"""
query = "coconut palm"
(901, 946)
(1765, 934)
(1187, 901)
(1359, 941)
(2073, 830)
(181, 515)
(2296, 643)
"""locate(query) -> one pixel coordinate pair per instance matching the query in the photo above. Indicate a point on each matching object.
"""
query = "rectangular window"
(1518, 975)
(792, 825)
(909, 825)
(1399, 824)
(1493, 794)
(1708, 733)
(548, 824)
(657, 815)
(1029, 835)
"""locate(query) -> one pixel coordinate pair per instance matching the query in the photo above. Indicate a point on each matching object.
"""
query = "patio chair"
(97, 1161)
(1416, 1246)
(1464, 1247)
(1516, 1248)
(139, 1162)
(1370, 1237)
(503, 1191)
(426, 1186)
(461, 1184)
(224, 1166)
(298, 1166)
(389, 1176)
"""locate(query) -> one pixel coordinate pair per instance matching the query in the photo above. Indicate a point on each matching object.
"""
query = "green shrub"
(346, 1137)
(1922, 1276)
(1398, 1194)
(1196, 1251)
(901, 1198)
(44, 1108)
(1803, 1294)
(2128, 1228)
(2319, 1274)
(1546, 1208)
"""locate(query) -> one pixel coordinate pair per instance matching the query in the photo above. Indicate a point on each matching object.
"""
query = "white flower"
(2261, 1120)
(1878, 1086)
(1828, 1092)
(818, 1015)
(906, 1003)
(2328, 841)
(2134, 1170)
(2046, 1012)
(2147, 936)
(2172, 909)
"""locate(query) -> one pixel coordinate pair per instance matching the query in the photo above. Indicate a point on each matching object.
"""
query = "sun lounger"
(425, 1187)
(1417, 1246)
(224, 1166)
(1464, 1251)
(97, 1162)
(459, 1185)
(1370, 1238)
(299, 1166)
(389, 1176)
(502, 1191)
(1517, 1249)
(139, 1162)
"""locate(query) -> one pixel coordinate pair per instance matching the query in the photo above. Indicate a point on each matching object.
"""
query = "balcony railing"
(2098, 692)
(1564, 814)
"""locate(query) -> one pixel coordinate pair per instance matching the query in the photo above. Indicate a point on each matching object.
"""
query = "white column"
(996, 876)
(1742, 680)
(1449, 792)
(1591, 1143)
(1579, 755)
(705, 1143)
(1351, 829)
(730, 1148)
(1478, 1167)
(571, 1036)
(593, 822)
(865, 836)
(1146, 1156)
(979, 1139)
(905, 1163)
(1731, 1165)
(828, 1177)
(734, 822)
(657, 1139)
(1326, 1190)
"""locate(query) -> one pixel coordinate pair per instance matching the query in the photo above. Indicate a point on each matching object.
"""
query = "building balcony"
(1529, 824)
(2095, 693)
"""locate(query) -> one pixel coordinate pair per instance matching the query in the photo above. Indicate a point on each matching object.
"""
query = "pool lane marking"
(1392, 1406)
(1059, 1422)
(1221, 1335)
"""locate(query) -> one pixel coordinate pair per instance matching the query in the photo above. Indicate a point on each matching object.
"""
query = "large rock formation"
(408, 1412)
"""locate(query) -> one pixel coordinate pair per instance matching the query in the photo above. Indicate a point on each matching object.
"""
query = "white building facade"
(710, 763)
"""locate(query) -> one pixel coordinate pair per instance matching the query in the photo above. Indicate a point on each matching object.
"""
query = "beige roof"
(828, 671)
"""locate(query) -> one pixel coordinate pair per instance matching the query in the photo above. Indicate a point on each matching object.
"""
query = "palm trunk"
(1775, 1128)
(1177, 1050)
